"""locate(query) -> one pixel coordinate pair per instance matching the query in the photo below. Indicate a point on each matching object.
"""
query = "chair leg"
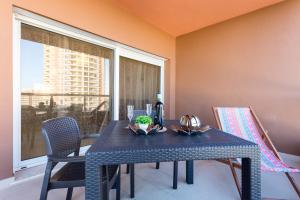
(45, 186)
(105, 190)
(131, 180)
(118, 185)
(69, 194)
(32, 138)
(293, 184)
(236, 180)
(189, 171)
(127, 169)
(175, 175)
(157, 165)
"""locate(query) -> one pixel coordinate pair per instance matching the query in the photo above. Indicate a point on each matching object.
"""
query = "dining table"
(119, 145)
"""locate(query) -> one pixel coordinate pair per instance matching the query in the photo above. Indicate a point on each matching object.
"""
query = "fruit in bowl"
(143, 122)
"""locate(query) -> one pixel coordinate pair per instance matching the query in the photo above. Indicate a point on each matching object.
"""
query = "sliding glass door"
(62, 76)
(61, 71)
(140, 83)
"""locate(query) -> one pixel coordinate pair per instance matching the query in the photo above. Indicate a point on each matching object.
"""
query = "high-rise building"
(73, 76)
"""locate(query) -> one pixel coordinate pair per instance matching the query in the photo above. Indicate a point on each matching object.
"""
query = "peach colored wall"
(250, 60)
(101, 17)
(5, 91)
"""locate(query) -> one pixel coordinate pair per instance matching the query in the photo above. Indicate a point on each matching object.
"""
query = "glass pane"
(62, 76)
(139, 85)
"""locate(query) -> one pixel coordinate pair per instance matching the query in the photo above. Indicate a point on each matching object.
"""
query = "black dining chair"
(130, 167)
(62, 142)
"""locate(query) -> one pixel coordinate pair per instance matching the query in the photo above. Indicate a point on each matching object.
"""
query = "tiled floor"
(212, 180)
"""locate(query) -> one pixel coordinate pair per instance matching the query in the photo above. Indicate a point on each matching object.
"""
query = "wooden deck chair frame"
(266, 139)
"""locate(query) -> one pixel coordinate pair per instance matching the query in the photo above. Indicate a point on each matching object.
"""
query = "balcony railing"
(92, 113)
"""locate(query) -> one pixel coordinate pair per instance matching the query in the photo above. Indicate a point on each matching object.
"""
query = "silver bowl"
(190, 122)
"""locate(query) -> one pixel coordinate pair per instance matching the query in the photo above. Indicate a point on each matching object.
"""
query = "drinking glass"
(130, 109)
(149, 109)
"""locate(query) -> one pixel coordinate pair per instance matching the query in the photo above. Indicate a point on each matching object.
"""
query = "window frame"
(26, 17)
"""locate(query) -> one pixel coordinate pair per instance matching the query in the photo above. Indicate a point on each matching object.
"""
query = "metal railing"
(92, 113)
(60, 99)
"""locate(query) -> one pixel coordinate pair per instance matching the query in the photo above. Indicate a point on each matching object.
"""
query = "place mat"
(180, 130)
(151, 129)
(164, 129)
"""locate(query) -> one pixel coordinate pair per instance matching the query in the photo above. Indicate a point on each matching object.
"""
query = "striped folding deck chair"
(243, 123)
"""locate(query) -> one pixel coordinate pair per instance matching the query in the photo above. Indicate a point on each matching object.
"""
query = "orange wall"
(101, 17)
(5, 91)
(250, 60)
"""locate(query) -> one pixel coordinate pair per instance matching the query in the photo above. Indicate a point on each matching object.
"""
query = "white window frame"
(23, 16)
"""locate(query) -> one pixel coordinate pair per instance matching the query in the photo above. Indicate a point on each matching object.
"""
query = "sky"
(31, 64)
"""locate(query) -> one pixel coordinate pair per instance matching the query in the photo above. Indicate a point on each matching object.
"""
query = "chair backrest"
(62, 136)
(28, 114)
(239, 122)
(242, 122)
